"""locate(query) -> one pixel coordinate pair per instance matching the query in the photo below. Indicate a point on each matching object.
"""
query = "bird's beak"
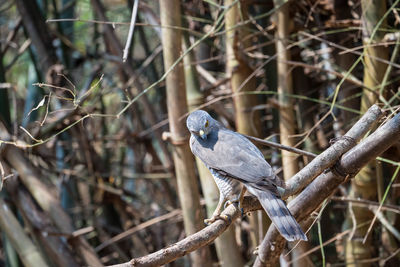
(202, 135)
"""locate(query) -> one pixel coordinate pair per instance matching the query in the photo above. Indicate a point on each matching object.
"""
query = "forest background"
(94, 157)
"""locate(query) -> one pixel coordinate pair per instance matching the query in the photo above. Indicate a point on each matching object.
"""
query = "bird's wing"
(233, 154)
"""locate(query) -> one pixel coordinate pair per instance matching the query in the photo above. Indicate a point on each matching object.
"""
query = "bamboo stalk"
(287, 117)
(177, 107)
(27, 251)
(48, 202)
(39, 223)
(364, 185)
(247, 120)
(227, 249)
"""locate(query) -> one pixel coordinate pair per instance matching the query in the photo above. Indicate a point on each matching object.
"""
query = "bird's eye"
(206, 124)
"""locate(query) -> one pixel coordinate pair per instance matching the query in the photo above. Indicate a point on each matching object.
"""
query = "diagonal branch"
(326, 183)
(194, 241)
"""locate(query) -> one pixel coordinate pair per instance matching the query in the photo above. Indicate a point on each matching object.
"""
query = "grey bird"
(232, 158)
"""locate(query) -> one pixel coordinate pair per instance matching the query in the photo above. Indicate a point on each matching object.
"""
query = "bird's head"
(200, 123)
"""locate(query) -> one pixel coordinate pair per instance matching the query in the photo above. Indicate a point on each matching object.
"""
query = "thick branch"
(326, 183)
(328, 158)
(195, 241)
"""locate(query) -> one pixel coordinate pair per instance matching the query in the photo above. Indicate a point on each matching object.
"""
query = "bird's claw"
(228, 202)
(209, 221)
(239, 205)
(255, 251)
(225, 218)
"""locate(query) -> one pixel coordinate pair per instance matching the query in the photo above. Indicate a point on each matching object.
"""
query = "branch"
(280, 146)
(328, 158)
(195, 241)
(326, 183)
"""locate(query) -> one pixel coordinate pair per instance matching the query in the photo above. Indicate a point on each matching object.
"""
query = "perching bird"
(231, 157)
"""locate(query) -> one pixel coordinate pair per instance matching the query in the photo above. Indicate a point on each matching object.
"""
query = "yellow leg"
(241, 197)
(217, 213)
(238, 199)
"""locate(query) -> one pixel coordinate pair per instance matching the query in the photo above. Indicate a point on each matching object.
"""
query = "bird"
(233, 160)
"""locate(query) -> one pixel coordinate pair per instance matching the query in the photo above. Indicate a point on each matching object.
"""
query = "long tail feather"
(280, 215)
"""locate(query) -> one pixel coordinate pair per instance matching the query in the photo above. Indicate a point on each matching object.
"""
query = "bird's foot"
(215, 217)
(255, 251)
(238, 202)
(229, 202)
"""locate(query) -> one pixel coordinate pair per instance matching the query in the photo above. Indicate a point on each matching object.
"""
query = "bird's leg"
(238, 199)
(241, 197)
(217, 213)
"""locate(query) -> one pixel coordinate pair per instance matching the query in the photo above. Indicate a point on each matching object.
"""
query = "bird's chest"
(226, 185)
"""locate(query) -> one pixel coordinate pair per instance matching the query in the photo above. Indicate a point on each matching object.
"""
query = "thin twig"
(386, 224)
(383, 200)
(131, 29)
(368, 203)
(137, 228)
(354, 221)
(280, 146)
(333, 239)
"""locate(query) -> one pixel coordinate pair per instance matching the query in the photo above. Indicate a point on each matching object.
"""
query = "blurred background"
(95, 163)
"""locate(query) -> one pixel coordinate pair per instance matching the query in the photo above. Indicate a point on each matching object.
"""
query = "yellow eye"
(206, 125)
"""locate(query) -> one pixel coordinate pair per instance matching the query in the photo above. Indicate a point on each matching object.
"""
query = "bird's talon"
(209, 221)
(255, 251)
(225, 218)
(227, 203)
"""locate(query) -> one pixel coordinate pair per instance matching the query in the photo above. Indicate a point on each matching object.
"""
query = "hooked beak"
(202, 135)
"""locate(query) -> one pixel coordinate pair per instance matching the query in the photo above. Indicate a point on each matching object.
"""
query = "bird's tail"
(280, 215)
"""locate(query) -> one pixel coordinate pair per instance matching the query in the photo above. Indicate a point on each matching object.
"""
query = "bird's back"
(232, 153)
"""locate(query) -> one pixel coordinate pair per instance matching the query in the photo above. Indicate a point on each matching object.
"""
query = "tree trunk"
(177, 107)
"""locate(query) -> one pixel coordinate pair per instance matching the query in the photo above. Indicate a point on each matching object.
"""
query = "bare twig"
(377, 212)
(137, 228)
(280, 146)
(368, 204)
(131, 29)
(386, 223)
